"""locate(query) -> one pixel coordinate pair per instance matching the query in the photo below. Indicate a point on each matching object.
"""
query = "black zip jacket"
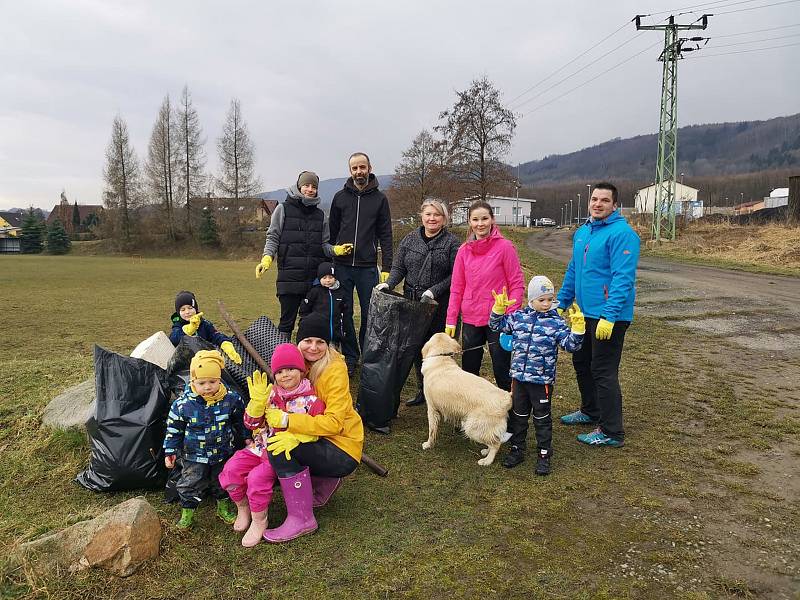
(362, 218)
(328, 303)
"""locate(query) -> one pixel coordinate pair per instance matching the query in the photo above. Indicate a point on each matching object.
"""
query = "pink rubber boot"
(299, 496)
(242, 521)
(256, 530)
(324, 487)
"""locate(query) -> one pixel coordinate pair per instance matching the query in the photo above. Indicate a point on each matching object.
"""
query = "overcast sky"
(319, 80)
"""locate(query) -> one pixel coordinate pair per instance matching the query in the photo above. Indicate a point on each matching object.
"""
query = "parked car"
(545, 222)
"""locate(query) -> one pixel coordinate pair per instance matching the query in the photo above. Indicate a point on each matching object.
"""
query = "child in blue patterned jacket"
(537, 332)
(200, 429)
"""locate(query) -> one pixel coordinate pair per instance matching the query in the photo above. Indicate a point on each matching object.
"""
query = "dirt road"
(740, 353)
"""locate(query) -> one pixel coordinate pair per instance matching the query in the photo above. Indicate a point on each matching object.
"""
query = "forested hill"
(703, 150)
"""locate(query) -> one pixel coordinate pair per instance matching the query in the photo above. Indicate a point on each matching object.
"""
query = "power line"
(755, 7)
(555, 85)
(704, 6)
(780, 37)
(561, 68)
(740, 51)
(756, 31)
(588, 81)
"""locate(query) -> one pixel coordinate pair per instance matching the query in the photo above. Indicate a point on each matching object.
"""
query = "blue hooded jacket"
(601, 277)
(207, 331)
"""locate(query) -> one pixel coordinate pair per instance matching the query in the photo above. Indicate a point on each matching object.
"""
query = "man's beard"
(361, 180)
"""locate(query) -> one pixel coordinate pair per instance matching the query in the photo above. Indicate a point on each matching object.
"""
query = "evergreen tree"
(57, 239)
(121, 174)
(32, 233)
(208, 229)
(76, 218)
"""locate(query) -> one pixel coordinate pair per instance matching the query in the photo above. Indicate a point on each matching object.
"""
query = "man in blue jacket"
(601, 278)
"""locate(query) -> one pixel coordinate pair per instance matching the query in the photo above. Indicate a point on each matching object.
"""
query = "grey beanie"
(307, 177)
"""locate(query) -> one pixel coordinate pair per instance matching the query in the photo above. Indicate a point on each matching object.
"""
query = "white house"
(686, 201)
(777, 197)
(508, 210)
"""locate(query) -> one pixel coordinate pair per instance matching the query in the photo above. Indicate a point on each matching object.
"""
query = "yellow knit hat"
(207, 364)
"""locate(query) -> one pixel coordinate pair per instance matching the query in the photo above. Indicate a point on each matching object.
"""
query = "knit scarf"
(282, 396)
(213, 398)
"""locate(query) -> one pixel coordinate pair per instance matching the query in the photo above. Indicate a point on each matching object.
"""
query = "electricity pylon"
(667, 161)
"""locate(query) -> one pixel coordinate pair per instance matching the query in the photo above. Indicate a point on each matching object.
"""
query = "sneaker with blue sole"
(577, 418)
(598, 438)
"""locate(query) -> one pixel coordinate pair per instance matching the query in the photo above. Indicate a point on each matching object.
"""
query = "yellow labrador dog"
(462, 398)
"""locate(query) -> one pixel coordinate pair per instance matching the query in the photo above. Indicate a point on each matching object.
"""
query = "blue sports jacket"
(601, 277)
(207, 331)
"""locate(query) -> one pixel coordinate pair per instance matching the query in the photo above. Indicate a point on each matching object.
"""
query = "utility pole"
(516, 210)
(667, 161)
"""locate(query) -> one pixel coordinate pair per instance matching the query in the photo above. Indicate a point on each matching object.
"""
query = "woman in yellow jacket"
(314, 452)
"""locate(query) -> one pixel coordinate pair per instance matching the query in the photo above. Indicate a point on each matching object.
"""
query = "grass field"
(606, 524)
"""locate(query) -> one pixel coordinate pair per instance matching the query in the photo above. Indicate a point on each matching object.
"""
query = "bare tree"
(420, 171)
(477, 132)
(237, 157)
(190, 146)
(121, 174)
(160, 165)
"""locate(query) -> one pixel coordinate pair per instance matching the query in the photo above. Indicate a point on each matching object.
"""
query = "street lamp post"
(562, 216)
(570, 212)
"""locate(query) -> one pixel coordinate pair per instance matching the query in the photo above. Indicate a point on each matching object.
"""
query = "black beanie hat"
(185, 298)
(314, 325)
(325, 268)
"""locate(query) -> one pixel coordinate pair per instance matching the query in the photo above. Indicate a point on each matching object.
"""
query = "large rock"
(156, 349)
(71, 408)
(119, 540)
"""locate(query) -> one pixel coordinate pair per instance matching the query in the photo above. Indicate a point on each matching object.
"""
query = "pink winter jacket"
(482, 266)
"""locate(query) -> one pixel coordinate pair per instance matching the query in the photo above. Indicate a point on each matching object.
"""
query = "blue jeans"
(362, 279)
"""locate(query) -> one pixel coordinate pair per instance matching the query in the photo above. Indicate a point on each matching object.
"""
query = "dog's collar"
(435, 355)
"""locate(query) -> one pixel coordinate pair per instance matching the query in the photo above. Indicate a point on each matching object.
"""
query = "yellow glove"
(342, 249)
(259, 387)
(261, 267)
(230, 351)
(560, 312)
(501, 302)
(450, 330)
(194, 324)
(603, 331)
(384, 277)
(283, 441)
(276, 418)
(576, 320)
(304, 438)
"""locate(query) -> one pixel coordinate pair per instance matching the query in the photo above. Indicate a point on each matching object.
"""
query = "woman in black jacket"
(424, 263)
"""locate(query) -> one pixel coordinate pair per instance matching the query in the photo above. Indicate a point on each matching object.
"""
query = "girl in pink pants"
(248, 476)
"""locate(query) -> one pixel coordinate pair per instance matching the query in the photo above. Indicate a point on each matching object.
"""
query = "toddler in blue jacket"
(200, 430)
(537, 332)
(187, 321)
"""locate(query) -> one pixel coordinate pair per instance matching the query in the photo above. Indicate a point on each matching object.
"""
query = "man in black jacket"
(359, 221)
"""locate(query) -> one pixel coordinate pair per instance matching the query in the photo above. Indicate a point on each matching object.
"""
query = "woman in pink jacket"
(486, 262)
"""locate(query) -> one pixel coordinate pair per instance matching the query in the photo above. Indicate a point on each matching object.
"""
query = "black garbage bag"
(396, 330)
(126, 433)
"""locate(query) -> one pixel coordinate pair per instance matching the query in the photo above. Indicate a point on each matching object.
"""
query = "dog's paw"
(485, 462)
(426, 445)
(484, 452)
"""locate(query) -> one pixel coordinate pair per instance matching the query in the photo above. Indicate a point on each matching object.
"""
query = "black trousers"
(597, 370)
(527, 398)
(290, 304)
(198, 480)
(323, 458)
(471, 336)
(362, 280)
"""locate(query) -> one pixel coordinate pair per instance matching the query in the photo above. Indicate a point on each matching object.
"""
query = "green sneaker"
(187, 517)
(226, 511)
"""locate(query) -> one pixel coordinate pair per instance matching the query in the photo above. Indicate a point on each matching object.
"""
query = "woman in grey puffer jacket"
(424, 263)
